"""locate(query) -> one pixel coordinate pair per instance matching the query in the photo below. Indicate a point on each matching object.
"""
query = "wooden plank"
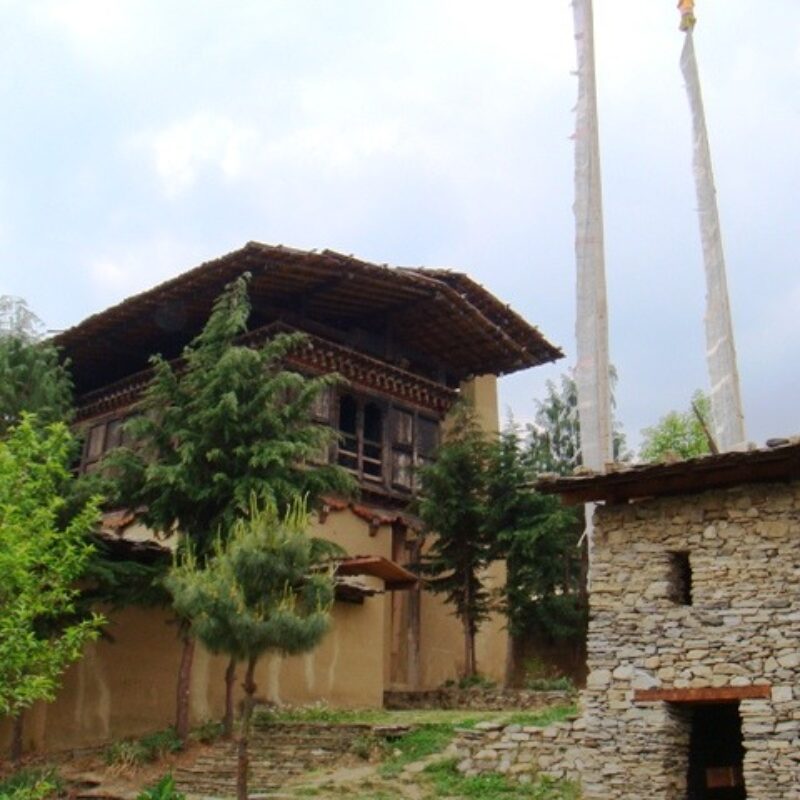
(720, 694)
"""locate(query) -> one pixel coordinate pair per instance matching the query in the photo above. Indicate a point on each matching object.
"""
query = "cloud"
(139, 266)
(94, 28)
(203, 142)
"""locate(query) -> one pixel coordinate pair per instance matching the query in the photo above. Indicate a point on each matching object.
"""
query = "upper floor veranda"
(405, 340)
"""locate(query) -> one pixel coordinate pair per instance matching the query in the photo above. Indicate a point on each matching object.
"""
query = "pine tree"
(453, 506)
(264, 589)
(228, 422)
(555, 435)
(538, 537)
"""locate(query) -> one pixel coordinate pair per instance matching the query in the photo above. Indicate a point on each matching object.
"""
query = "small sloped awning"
(393, 575)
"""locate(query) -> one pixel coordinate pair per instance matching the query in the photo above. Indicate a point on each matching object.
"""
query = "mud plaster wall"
(442, 638)
(126, 686)
(481, 394)
(742, 628)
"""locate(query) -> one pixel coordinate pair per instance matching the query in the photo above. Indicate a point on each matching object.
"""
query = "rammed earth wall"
(741, 628)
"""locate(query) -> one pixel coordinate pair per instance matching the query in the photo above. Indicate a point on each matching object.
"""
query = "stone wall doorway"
(716, 752)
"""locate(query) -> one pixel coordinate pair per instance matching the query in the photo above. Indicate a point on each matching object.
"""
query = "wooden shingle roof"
(437, 316)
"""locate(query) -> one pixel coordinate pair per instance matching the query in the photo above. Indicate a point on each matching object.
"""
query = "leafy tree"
(40, 561)
(679, 434)
(453, 506)
(263, 590)
(31, 377)
(228, 422)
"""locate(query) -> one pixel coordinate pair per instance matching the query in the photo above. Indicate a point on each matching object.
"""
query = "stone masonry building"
(694, 635)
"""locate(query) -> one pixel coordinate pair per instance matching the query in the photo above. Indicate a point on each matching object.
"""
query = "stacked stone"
(521, 750)
(477, 699)
(736, 625)
(741, 628)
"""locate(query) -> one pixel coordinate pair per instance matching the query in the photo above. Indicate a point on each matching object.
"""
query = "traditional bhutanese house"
(694, 634)
(408, 342)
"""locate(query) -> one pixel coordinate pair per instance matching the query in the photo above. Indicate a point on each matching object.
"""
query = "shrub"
(542, 677)
(477, 681)
(30, 784)
(165, 789)
(161, 743)
(126, 754)
(208, 731)
(132, 753)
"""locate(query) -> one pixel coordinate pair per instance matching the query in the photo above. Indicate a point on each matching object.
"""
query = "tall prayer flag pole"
(591, 324)
(726, 402)
(591, 327)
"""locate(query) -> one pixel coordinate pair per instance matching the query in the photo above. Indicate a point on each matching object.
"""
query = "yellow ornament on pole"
(688, 19)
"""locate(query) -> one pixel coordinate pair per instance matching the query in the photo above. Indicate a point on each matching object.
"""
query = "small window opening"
(348, 427)
(680, 578)
(373, 441)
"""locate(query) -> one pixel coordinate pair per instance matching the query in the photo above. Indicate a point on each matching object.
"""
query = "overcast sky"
(139, 138)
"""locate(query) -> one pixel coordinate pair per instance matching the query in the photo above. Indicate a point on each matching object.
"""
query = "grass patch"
(133, 753)
(320, 713)
(31, 784)
(425, 741)
(543, 718)
(447, 781)
(462, 717)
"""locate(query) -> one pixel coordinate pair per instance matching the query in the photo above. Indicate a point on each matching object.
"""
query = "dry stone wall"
(522, 750)
(477, 699)
(693, 592)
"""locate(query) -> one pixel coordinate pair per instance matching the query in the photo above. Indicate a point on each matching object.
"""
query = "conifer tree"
(263, 590)
(453, 506)
(227, 422)
(538, 537)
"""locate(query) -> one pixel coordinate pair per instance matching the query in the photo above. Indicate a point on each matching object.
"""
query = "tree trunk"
(470, 666)
(16, 738)
(230, 678)
(512, 658)
(469, 649)
(242, 762)
(184, 685)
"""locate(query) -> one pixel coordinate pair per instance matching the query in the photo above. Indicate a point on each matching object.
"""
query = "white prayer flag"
(591, 327)
(726, 403)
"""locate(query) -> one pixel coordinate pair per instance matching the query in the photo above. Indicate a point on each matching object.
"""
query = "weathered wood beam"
(710, 694)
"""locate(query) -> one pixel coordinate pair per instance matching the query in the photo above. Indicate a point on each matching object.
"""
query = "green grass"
(447, 781)
(462, 718)
(543, 718)
(31, 784)
(424, 741)
(132, 753)
(321, 714)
